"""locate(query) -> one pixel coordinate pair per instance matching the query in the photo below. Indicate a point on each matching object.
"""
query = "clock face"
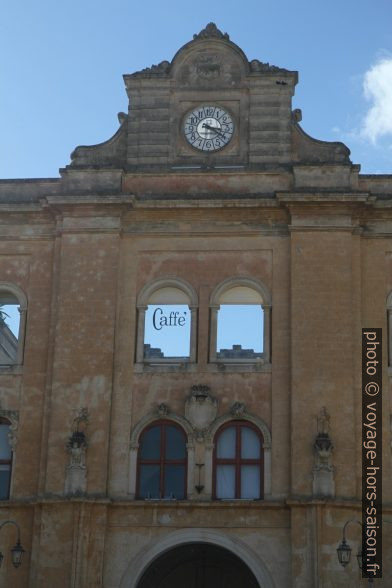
(208, 128)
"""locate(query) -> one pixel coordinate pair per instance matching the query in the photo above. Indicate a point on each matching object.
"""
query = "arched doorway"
(198, 565)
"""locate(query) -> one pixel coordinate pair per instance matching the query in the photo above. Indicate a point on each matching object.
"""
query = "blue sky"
(237, 325)
(12, 317)
(61, 66)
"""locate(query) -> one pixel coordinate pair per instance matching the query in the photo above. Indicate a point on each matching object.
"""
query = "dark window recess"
(238, 462)
(5, 460)
(162, 462)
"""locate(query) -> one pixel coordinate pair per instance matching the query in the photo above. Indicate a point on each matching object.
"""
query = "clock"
(208, 128)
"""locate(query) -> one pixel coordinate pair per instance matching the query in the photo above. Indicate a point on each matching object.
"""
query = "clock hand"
(217, 131)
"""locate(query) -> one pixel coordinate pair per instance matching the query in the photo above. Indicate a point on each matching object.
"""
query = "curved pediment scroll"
(109, 154)
(307, 149)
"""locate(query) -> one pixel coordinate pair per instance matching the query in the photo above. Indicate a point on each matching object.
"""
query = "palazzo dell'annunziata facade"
(180, 342)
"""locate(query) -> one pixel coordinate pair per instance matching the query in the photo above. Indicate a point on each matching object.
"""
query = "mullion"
(238, 461)
(162, 461)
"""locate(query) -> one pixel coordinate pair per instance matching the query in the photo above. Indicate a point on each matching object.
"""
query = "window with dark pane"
(5, 459)
(238, 462)
(162, 462)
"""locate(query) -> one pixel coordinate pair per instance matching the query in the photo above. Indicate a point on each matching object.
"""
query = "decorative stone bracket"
(76, 472)
(323, 470)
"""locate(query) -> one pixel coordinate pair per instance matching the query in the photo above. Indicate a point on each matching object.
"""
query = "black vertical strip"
(372, 453)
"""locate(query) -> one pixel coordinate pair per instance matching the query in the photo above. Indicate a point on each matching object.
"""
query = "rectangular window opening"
(240, 331)
(167, 332)
(9, 332)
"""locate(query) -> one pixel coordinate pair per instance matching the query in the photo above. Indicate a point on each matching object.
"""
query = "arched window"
(162, 462)
(240, 322)
(166, 322)
(5, 459)
(238, 462)
(12, 324)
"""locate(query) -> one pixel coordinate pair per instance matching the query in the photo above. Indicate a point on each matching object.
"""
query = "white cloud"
(377, 86)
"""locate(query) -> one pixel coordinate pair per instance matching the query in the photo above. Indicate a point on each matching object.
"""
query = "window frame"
(216, 295)
(16, 292)
(5, 421)
(163, 461)
(238, 461)
(142, 303)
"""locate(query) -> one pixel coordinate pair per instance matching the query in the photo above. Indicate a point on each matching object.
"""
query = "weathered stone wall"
(277, 207)
(82, 268)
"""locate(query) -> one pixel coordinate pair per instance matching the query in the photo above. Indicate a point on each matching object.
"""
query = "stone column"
(190, 490)
(21, 335)
(209, 448)
(193, 335)
(133, 469)
(267, 334)
(213, 331)
(267, 471)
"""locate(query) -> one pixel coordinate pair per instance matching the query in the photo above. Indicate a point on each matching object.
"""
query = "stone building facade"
(132, 468)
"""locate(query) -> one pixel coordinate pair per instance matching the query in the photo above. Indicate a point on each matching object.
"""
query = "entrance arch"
(140, 565)
(198, 565)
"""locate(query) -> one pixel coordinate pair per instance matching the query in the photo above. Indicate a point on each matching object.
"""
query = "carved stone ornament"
(297, 115)
(122, 117)
(237, 409)
(200, 390)
(76, 446)
(200, 409)
(81, 420)
(76, 473)
(258, 66)
(323, 421)
(323, 470)
(159, 69)
(208, 67)
(162, 409)
(13, 417)
(211, 32)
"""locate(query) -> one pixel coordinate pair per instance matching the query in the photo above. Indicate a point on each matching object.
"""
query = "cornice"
(87, 199)
(123, 501)
(258, 202)
(320, 197)
(210, 231)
